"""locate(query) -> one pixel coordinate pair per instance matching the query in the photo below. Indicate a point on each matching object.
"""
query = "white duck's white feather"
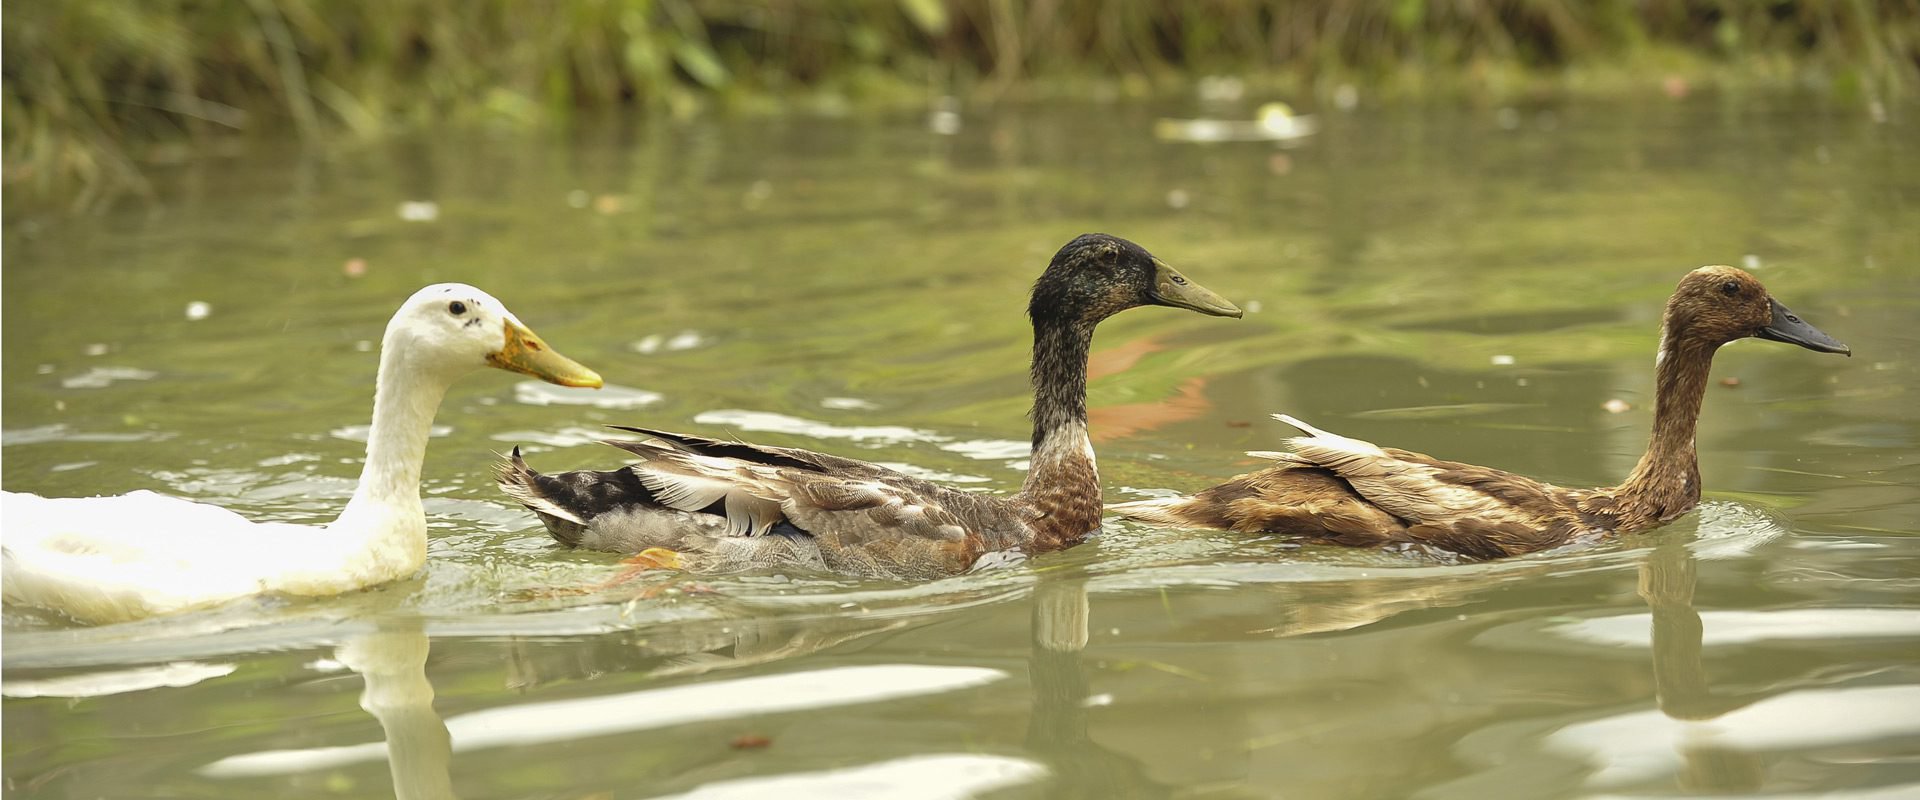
(108, 559)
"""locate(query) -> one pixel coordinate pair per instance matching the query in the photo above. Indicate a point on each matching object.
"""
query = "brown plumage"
(1354, 493)
(720, 505)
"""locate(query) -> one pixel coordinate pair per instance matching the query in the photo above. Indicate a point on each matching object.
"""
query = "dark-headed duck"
(709, 505)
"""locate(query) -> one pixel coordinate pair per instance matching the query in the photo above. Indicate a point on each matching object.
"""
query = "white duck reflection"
(419, 745)
(392, 660)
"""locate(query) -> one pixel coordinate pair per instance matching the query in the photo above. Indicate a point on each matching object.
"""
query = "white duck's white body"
(137, 555)
(109, 559)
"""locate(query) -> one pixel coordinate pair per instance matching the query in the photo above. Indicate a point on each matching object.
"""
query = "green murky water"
(858, 286)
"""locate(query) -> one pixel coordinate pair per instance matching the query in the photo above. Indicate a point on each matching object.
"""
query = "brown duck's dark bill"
(1788, 327)
(1170, 288)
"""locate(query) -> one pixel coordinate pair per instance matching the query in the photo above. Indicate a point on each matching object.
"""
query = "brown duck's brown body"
(719, 505)
(1513, 514)
(1346, 491)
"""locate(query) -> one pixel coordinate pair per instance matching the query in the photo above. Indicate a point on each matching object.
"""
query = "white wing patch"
(751, 494)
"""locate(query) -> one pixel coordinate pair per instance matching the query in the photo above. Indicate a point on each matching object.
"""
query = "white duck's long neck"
(386, 506)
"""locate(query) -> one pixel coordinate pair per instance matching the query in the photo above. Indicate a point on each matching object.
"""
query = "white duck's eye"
(456, 308)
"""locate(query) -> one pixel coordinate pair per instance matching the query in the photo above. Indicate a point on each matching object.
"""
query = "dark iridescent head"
(1716, 305)
(1096, 276)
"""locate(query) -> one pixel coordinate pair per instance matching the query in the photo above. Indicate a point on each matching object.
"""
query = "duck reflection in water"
(1062, 702)
(392, 660)
(1681, 685)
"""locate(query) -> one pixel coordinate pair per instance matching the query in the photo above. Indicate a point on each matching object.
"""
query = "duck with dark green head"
(709, 505)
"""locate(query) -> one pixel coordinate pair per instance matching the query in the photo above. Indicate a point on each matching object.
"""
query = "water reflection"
(1062, 702)
(1681, 685)
(391, 660)
(403, 696)
(693, 648)
(418, 745)
(1706, 738)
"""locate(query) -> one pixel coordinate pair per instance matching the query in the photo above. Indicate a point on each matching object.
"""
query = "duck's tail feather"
(1159, 510)
(1302, 426)
(568, 501)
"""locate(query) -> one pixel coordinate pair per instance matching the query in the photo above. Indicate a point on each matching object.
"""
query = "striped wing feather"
(1355, 493)
(865, 518)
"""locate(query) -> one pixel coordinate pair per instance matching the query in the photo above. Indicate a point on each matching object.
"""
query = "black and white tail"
(568, 501)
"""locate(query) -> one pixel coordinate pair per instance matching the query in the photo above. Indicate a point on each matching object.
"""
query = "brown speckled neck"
(1063, 483)
(1666, 482)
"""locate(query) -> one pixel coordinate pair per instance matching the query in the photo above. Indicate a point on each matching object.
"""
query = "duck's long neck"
(1666, 482)
(386, 506)
(1063, 482)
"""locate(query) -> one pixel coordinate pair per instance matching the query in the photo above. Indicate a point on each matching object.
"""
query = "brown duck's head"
(1096, 276)
(1716, 305)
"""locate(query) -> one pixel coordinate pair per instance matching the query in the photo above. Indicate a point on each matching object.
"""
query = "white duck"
(110, 559)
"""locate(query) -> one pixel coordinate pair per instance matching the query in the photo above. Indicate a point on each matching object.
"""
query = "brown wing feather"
(1422, 489)
(865, 519)
(792, 457)
(1354, 493)
(897, 526)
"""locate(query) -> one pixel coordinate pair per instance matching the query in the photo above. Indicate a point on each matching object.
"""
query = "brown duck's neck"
(1666, 482)
(1063, 482)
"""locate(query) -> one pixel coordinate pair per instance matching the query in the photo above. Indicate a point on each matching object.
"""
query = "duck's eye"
(456, 308)
(1730, 288)
(1180, 280)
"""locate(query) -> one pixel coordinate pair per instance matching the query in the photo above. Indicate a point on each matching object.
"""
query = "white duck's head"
(451, 328)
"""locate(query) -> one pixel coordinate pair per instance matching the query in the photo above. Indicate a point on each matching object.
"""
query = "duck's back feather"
(1355, 493)
(731, 504)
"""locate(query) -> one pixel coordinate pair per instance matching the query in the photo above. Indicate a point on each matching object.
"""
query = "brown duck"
(711, 505)
(1354, 493)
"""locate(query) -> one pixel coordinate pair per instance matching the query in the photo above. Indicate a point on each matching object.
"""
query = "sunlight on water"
(937, 776)
(610, 396)
(769, 422)
(1754, 627)
(97, 684)
(563, 720)
(1633, 748)
(62, 433)
(102, 377)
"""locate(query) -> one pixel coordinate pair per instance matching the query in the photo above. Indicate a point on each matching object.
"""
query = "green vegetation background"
(93, 86)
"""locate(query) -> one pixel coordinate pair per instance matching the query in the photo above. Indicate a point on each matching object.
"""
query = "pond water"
(1472, 282)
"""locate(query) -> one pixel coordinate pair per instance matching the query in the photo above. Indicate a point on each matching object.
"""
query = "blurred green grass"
(91, 86)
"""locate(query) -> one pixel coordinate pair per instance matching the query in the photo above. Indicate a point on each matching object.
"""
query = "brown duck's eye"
(456, 308)
(1730, 288)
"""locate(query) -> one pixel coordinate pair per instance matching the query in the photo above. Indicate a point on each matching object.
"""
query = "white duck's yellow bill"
(524, 352)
